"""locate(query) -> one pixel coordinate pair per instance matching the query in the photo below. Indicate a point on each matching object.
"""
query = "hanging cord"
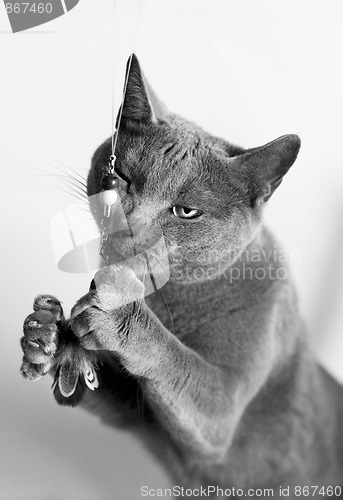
(115, 131)
(113, 45)
(110, 181)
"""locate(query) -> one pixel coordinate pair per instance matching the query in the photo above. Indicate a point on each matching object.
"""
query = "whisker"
(84, 179)
(75, 176)
(50, 160)
(61, 177)
(78, 187)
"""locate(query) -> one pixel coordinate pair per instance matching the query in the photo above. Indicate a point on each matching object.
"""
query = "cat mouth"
(141, 253)
(123, 247)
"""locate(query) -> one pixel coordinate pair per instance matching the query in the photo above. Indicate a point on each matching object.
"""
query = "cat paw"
(102, 318)
(40, 341)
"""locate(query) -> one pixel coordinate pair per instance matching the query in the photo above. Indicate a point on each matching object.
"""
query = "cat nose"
(141, 219)
(127, 204)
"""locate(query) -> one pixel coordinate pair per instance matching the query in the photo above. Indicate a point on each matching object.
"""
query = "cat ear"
(141, 105)
(268, 164)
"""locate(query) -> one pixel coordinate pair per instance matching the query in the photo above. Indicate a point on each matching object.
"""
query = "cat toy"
(108, 196)
(76, 366)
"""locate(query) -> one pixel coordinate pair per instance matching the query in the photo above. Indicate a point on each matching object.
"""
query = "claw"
(42, 303)
(34, 324)
(33, 344)
(46, 350)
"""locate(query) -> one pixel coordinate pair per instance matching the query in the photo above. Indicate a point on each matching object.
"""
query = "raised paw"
(101, 319)
(40, 340)
(96, 329)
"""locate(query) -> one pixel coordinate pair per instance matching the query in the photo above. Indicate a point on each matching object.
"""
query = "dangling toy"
(109, 196)
(76, 366)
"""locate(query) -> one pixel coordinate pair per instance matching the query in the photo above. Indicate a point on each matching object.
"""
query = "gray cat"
(221, 384)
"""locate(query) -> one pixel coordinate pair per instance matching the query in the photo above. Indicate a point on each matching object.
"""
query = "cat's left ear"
(141, 105)
(268, 164)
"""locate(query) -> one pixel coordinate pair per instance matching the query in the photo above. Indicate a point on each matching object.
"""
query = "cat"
(214, 370)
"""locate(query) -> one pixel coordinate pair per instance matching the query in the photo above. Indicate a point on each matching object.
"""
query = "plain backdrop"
(246, 70)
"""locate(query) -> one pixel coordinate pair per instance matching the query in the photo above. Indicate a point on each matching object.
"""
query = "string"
(115, 131)
(110, 180)
(113, 45)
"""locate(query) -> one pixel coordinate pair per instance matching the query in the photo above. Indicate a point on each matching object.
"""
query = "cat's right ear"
(141, 106)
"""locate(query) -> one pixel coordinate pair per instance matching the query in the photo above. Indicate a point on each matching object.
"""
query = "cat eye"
(185, 212)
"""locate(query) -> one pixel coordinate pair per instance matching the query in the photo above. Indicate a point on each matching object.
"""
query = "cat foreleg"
(196, 402)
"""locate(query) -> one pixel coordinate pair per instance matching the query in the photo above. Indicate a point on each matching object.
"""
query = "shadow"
(329, 297)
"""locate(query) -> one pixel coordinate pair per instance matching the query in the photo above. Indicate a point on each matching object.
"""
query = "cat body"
(289, 430)
(213, 371)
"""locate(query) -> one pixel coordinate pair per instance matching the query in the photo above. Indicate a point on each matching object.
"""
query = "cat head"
(204, 194)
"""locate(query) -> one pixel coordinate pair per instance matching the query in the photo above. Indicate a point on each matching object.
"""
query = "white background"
(246, 70)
